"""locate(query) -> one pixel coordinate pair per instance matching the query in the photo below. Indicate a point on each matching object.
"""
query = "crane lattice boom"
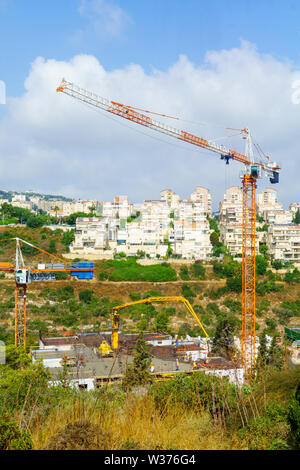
(253, 171)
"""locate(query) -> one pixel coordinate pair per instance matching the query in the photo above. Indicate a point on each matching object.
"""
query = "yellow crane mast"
(116, 317)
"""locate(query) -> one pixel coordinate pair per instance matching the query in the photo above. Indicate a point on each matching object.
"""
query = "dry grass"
(134, 425)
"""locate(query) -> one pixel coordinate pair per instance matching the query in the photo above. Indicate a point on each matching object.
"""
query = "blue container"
(83, 274)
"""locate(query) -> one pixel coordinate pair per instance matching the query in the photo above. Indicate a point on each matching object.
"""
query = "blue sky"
(152, 34)
(231, 63)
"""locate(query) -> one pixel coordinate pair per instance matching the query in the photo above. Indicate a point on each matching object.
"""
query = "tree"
(262, 355)
(278, 264)
(169, 250)
(297, 217)
(16, 358)
(56, 209)
(52, 246)
(292, 277)
(294, 416)
(86, 296)
(162, 321)
(214, 239)
(261, 265)
(213, 225)
(71, 219)
(275, 355)
(263, 249)
(137, 373)
(12, 437)
(68, 237)
(34, 221)
(222, 341)
(198, 270)
(92, 209)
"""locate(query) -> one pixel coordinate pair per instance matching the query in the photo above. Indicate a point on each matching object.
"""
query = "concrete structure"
(203, 196)
(284, 242)
(157, 225)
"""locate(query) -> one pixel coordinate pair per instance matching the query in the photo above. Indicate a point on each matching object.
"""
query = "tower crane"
(148, 300)
(253, 170)
(25, 274)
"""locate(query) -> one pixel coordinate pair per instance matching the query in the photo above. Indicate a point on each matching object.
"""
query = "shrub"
(294, 416)
(12, 437)
(187, 292)
(134, 296)
(152, 293)
(261, 265)
(184, 273)
(198, 270)
(292, 277)
(102, 276)
(61, 276)
(86, 295)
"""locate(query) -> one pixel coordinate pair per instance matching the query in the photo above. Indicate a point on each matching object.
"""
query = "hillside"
(213, 289)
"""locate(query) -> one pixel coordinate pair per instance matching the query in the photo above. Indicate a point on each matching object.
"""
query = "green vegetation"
(296, 219)
(137, 373)
(130, 270)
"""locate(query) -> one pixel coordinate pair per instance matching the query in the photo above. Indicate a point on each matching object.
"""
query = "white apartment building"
(164, 222)
(267, 203)
(230, 220)
(168, 196)
(65, 208)
(40, 203)
(94, 234)
(279, 217)
(203, 196)
(192, 239)
(119, 208)
(231, 208)
(192, 211)
(20, 201)
(284, 242)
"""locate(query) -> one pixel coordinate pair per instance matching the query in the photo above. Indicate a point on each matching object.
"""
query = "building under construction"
(92, 363)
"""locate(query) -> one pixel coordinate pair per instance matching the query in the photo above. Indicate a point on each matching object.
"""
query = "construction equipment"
(72, 360)
(116, 317)
(105, 349)
(252, 171)
(24, 275)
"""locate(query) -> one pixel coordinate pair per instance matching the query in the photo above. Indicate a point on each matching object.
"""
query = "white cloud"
(107, 18)
(51, 142)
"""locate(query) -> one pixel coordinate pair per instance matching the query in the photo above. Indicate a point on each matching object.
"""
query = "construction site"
(103, 360)
(91, 362)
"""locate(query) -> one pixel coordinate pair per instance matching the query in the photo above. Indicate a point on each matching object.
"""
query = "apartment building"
(163, 222)
(230, 219)
(231, 208)
(20, 201)
(169, 197)
(267, 204)
(279, 217)
(191, 239)
(202, 195)
(284, 242)
(94, 234)
(119, 208)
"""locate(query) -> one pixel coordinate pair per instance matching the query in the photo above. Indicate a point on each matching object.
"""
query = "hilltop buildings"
(170, 225)
(152, 228)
